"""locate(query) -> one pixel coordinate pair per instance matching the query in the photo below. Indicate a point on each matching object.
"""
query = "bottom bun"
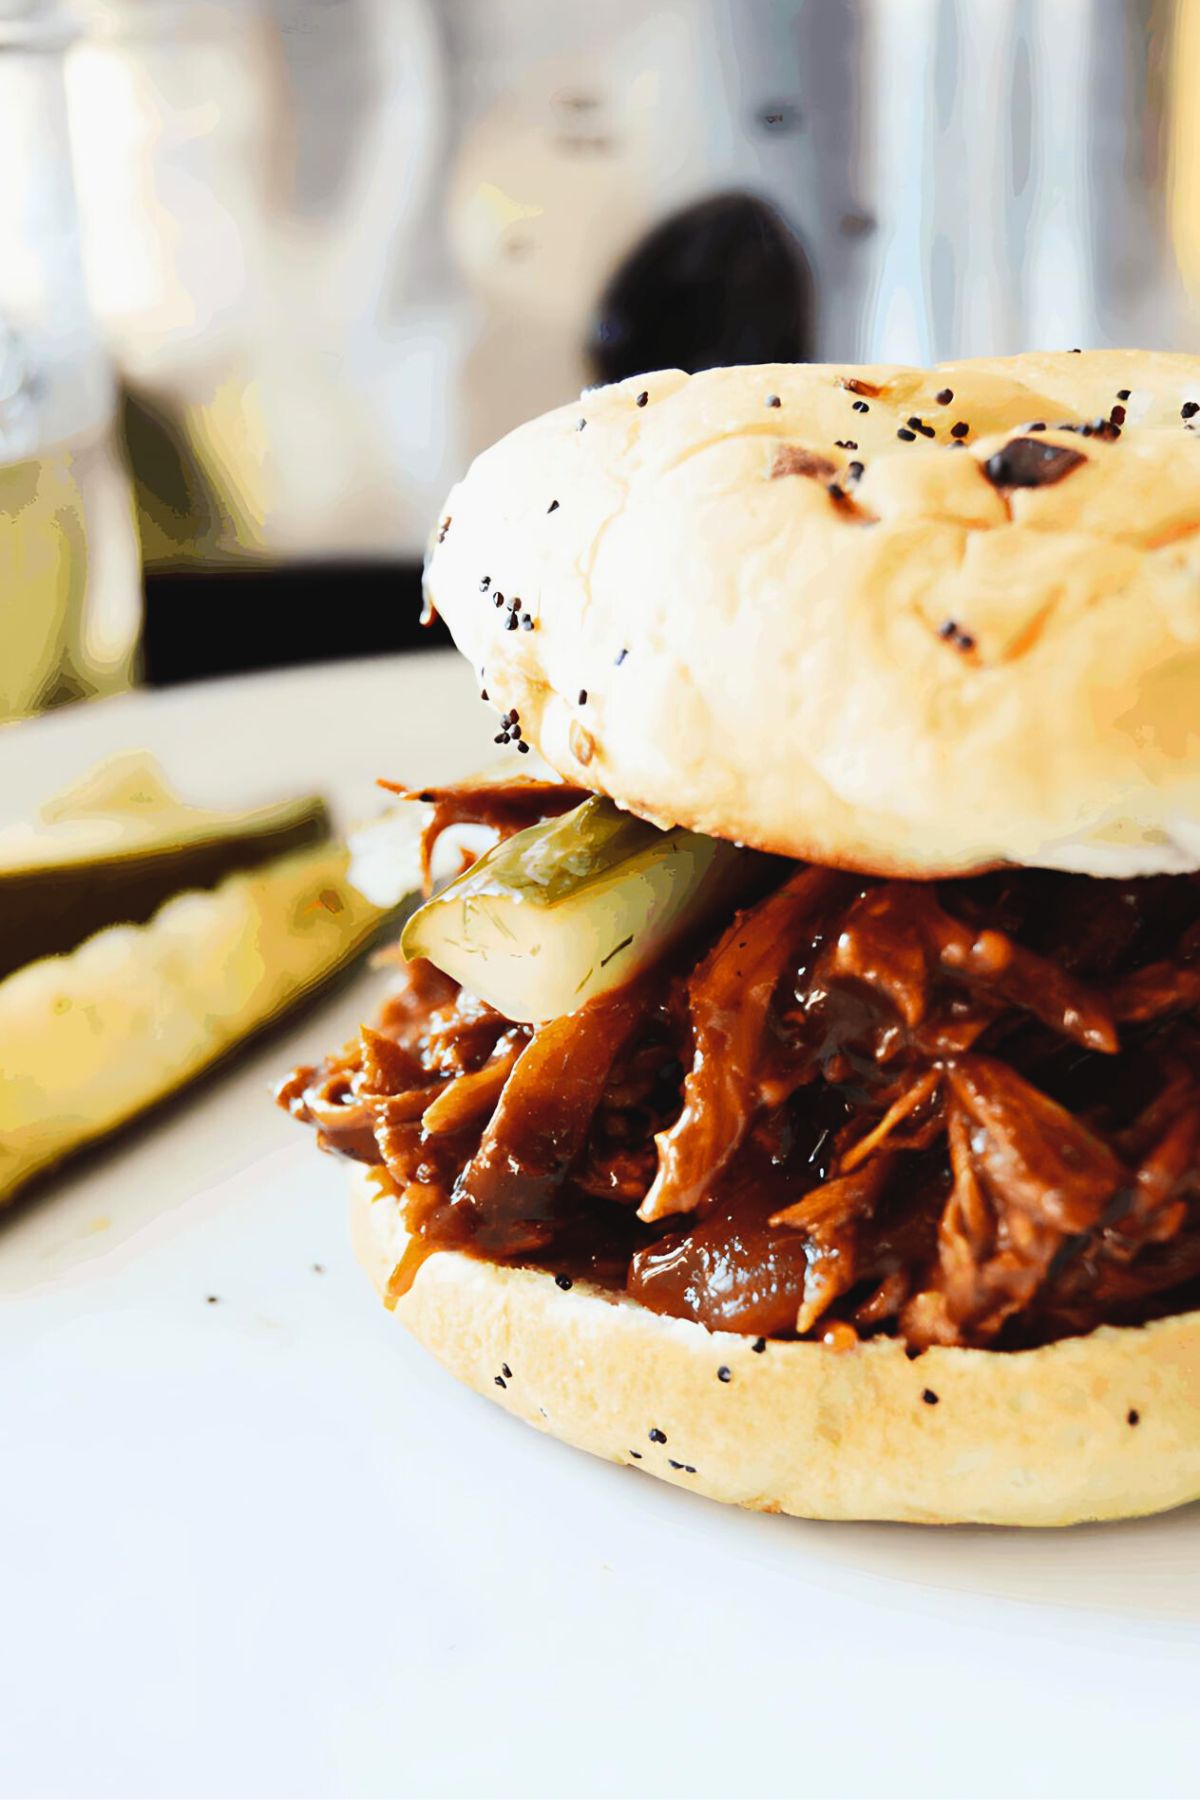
(1099, 1427)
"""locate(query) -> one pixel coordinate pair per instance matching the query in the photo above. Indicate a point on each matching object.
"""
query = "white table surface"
(266, 1547)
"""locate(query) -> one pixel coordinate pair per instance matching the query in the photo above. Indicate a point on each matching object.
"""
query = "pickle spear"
(575, 906)
(113, 848)
(89, 1040)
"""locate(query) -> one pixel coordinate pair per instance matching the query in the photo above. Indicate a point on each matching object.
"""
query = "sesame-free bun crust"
(930, 676)
(1036, 1437)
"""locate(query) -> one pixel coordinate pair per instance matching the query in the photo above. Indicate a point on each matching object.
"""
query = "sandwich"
(798, 1099)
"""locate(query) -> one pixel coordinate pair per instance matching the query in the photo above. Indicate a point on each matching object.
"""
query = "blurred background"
(271, 271)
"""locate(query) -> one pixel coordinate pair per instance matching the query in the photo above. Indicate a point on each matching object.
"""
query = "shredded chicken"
(965, 1112)
(728, 1000)
(505, 806)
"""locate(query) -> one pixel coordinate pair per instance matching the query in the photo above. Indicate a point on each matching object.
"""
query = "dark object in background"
(179, 510)
(202, 623)
(724, 281)
(207, 615)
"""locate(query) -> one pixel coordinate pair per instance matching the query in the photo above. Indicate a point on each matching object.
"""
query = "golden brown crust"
(923, 672)
(1099, 1427)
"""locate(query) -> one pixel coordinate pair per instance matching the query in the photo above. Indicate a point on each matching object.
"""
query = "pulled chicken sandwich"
(799, 1096)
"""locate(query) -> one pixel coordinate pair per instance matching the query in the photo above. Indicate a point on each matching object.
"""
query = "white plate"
(265, 1547)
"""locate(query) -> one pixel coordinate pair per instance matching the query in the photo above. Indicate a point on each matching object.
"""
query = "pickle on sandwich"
(571, 908)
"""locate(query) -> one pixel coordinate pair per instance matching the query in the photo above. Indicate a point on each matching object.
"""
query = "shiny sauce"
(964, 1112)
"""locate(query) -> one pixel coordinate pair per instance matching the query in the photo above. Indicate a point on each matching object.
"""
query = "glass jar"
(70, 591)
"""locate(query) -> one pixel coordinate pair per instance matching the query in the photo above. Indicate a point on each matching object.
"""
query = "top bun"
(779, 605)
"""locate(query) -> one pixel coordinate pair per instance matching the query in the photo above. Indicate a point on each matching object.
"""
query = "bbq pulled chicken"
(964, 1112)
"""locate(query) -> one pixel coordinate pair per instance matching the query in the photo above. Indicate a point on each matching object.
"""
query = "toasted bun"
(937, 672)
(1100, 1427)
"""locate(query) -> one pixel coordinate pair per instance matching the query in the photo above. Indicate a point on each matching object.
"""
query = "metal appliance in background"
(340, 245)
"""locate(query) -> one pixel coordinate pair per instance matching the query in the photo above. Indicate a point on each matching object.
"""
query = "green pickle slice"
(90, 1040)
(115, 847)
(573, 907)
